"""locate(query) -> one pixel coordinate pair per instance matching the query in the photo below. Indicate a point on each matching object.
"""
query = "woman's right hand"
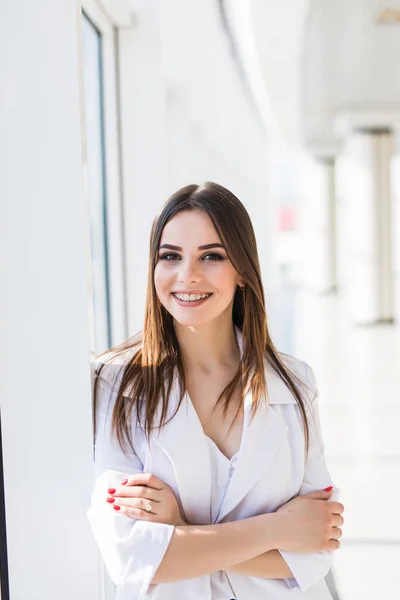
(311, 524)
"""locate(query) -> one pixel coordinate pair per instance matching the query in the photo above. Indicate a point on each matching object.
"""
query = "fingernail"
(328, 489)
(110, 500)
(111, 490)
(116, 506)
(124, 481)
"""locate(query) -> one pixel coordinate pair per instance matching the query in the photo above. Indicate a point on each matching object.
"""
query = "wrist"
(276, 529)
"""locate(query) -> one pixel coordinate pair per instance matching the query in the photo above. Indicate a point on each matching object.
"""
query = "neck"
(208, 348)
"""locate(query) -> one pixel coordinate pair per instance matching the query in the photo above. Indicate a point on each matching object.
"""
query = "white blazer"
(270, 471)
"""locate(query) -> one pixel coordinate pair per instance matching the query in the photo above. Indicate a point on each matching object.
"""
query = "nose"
(188, 272)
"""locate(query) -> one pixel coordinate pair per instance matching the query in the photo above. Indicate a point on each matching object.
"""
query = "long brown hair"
(154, 356)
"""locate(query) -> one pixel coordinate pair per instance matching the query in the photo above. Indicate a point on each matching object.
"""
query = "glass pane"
(96, 189)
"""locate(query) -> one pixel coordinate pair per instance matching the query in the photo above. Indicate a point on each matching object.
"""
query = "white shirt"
(221, 473)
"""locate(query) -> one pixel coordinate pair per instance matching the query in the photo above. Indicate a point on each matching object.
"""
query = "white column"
(395, 178)
(318, 224)
(365, 225)
(46, 416)
(327, 197)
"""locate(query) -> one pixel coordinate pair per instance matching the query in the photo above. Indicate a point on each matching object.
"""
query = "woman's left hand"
(145, 489)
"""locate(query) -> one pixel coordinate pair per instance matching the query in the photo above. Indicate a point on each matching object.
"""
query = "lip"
(190, 292)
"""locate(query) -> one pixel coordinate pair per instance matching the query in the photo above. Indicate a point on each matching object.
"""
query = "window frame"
(107, 17)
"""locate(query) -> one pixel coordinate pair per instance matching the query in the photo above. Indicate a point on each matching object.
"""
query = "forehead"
(190, 227)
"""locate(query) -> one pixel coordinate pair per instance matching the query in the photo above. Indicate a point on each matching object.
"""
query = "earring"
(242, 287)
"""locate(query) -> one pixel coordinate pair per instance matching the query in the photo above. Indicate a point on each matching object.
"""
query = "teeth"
(191, 297)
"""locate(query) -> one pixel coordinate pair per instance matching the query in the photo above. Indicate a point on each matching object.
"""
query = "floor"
(358, 375)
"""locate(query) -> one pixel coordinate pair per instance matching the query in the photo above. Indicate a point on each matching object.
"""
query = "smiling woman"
(217, 432)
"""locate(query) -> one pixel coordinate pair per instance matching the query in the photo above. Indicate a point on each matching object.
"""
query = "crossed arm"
(195, 550)
(260, 558)
(269, 565)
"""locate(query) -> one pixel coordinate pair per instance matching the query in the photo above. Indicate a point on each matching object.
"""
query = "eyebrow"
(205, 247)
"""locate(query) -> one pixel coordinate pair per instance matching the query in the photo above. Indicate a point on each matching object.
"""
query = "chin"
(190, 321)
(193, 320)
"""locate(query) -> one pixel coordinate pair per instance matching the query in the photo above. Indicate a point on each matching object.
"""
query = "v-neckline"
(220, 451)
(189, 401)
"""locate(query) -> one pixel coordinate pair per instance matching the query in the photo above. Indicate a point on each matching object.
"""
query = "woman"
(210, 473)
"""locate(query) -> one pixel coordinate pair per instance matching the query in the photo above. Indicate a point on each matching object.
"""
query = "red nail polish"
(111, 490)
(116, 506)
(110, 500)
(328, 489)
(124, 481)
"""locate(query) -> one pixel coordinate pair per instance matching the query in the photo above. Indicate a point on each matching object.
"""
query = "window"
(96, 181)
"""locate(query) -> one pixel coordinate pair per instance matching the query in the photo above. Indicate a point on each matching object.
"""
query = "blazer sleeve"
(131, 549)
(308, 569)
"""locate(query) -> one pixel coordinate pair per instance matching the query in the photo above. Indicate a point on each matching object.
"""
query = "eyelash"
(218, 256)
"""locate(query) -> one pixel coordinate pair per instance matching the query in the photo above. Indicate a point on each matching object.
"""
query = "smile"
(191, 300)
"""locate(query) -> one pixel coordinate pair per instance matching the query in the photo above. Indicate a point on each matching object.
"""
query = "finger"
(134, 507)
(336, 508)
(318, 494)
(337, 520)
(137, 491)
(333, 544)
(336, 532)
(135, 513)
(134, 503)
(145, 479)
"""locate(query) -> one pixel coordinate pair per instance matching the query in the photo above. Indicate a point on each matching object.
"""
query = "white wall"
(44, 244)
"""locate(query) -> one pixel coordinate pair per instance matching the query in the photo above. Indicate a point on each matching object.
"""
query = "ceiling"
(322, 57)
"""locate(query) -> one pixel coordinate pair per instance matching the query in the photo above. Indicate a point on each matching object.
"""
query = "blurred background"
(109, 106)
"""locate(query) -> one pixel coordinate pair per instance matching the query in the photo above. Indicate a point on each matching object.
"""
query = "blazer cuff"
(131, 550)
(307, 569)
(150, 544)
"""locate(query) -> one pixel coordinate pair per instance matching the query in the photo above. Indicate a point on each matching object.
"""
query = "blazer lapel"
(261, 439)
(183, 440)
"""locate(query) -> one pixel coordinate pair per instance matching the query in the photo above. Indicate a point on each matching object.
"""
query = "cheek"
(161, 279)
(223, 277)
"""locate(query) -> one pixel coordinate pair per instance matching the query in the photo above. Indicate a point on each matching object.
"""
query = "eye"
(166, 256)
(215, 256)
